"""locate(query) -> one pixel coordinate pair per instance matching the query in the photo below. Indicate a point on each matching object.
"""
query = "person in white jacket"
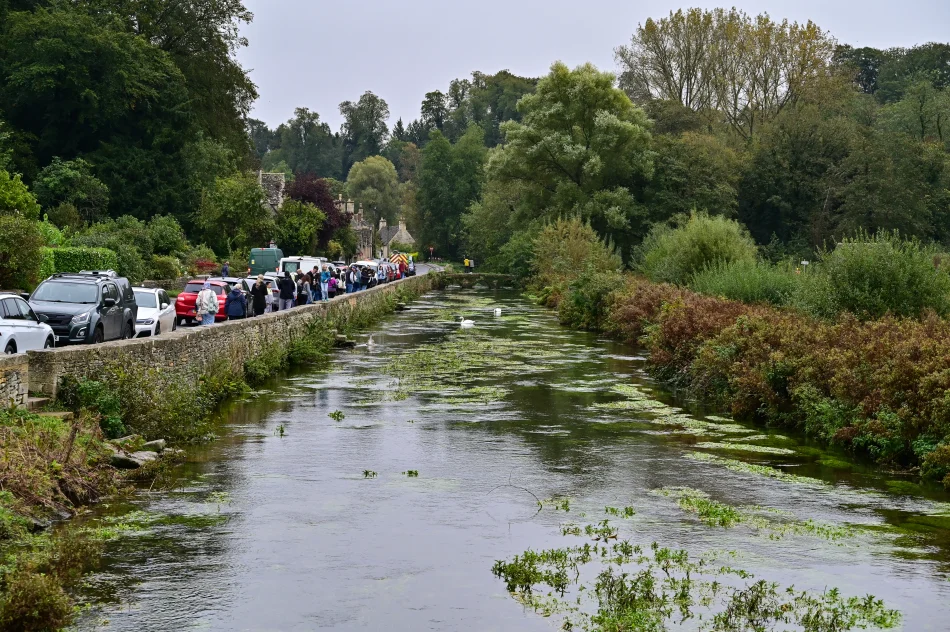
(206, 304)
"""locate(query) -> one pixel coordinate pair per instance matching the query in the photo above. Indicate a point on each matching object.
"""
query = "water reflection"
(492, 418)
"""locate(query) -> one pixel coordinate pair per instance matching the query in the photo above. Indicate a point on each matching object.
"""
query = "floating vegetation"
(646, 590)
(411, 473)
(369, 474)
(279, 431)
(762, 437)
(718, 514)
(140, 522)
(740, 447)
(626, 512)
(761, 470)
(337, 415)
(559, 504)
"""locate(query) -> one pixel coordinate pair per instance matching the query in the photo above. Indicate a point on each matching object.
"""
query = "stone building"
(363, 231)
(274, 185)
(388, 235)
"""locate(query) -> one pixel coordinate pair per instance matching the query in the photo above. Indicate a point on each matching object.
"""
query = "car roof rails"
(112, 274)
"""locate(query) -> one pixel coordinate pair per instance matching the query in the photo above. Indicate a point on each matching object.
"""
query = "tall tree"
(364, 129)
(315, 191)
(450, 179)
(434, 110)
(374, 185)
(308, 146)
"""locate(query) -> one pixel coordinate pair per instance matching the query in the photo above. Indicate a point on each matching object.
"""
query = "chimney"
(382, 223)
(402, 225)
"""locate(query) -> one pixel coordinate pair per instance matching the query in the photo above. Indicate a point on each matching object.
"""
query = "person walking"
(325, 282)
(315, 287)
(206, 304)
(235, 305)
(332, 285)
(259, 294)
(287, 291)
(226, 269)
(366, 278)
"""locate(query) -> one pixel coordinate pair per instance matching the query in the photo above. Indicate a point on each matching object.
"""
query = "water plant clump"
(753, 468)
(744, 447)
(337, 415)
(369, 474)
(626, 512)
(648, 590)
(411, 473)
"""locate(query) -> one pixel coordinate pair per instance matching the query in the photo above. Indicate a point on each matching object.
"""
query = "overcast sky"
(318, 53)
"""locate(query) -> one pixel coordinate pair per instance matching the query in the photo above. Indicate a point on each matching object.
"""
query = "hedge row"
(880, 387)
(77, 259)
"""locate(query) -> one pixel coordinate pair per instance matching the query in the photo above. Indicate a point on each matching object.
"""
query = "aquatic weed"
(626, 512)
(337, 415)
(369, 474)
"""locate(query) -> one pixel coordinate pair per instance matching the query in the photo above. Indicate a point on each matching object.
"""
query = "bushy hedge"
(674, 255)
(75, 259)
(748, 281)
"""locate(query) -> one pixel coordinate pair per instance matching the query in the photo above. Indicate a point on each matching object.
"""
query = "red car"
(185, 305)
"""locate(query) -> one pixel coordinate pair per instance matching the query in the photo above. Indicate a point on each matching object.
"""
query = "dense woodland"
(125, 124)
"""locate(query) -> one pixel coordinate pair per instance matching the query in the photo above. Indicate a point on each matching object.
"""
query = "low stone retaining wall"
(185, 354)
(14, 379)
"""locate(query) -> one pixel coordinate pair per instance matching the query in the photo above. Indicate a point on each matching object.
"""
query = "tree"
(71, 182)
(581, 149)
(232, 214)
(373, 184)
(309, 189)
(15, 197)
(263, 139)
(864, 63)
(434, 110)
(364, 129)
(450, 179)
(298, 227)
(308, 146)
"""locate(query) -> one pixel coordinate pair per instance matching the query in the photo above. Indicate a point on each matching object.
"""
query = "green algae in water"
(752, 468)
(143, 522)
(740, 447)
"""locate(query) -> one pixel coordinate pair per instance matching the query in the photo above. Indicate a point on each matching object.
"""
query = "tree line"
(138, 109)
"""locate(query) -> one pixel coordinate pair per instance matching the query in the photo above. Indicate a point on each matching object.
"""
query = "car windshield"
(146, 299)
(66, 292)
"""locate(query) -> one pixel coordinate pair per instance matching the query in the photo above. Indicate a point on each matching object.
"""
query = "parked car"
(185, 304)
(21, 329)
(86, 307)
(411, 268)
(306, 264)
(272, 285)
(156, 312)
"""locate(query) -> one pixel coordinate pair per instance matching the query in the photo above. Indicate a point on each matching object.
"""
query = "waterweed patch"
(760, 470)
(744, 447)
(647, 589)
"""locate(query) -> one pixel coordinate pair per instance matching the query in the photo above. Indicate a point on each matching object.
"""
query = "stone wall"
(184, 355)
(14, 379)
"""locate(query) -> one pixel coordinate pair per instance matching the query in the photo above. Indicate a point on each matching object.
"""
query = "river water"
(293, 520)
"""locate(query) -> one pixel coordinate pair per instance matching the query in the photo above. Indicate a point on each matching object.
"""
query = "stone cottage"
(388, 235)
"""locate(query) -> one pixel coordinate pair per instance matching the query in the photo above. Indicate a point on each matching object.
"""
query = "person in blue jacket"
(235, 305)
(325, 282)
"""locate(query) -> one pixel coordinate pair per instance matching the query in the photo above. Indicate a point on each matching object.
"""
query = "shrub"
(674, 255)
(747, 281)
(15, 197)
(65, 216)
(870, 276)
(74, 259)
(20, 252)
(167, 235)
(585, 305)
(34, 602)
(52, 236)
(566, 249)
(636, 305)
(164, 268)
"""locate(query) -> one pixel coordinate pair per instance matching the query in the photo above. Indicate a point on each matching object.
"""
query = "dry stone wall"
(184, 355)
(14, 379)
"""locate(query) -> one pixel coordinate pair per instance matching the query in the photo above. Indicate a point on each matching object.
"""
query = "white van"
(306, 264)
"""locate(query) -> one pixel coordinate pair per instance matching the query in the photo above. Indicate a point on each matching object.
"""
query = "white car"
(156, 312)
(20, 329)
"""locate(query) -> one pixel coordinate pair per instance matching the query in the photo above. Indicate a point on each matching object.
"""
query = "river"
(293, 520)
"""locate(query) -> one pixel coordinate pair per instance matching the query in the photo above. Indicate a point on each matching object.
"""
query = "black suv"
(85, 307)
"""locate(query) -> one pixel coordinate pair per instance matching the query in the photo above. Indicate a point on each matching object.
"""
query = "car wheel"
(174, 324)
(158, 329)
(49, 344)
(129, 332)
(11, 348)
(97, 336)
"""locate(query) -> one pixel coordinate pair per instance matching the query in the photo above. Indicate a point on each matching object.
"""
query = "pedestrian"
(466, 264)
(366, 278)
(259, 294)
(235, 305)
(303, 289)
(332, 285)
(402, 268)
(226, 269)
(287, 291)
(315, 287)
(348, 279)
(206, 304)
(325, 282)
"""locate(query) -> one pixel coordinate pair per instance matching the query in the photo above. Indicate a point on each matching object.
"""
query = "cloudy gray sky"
(317, 53)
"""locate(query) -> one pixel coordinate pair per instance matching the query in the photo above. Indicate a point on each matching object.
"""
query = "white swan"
(497, 311)
(371, 343)
(466, 324)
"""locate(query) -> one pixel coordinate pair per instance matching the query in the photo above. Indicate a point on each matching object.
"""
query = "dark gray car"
(87, 307)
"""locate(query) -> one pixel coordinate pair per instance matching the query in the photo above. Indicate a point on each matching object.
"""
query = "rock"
(154, 446)
(132, 461)
(343, 341)
(401, 307)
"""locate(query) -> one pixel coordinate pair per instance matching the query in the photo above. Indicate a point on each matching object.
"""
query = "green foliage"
(298, 227)
(747, 280)
(586, 302)
(871, 276)
(98, 398)
(74, 259)
(674, 255)
(164, 268)
(373, 183)
(450, 179)
(364, 129)
(233, 214)
(21, 257)
(566, 249)
(15, 197)
(52, 236)
(72, 182)
(166, 235)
